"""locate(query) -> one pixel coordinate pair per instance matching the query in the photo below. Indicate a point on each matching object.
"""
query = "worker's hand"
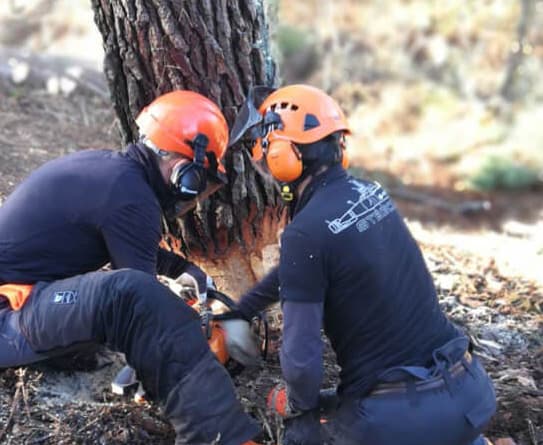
(279, 404)
(195, 277)
(301, 427)
(241, 342)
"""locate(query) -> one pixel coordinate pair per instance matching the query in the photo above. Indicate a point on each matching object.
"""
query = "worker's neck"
(302, 186)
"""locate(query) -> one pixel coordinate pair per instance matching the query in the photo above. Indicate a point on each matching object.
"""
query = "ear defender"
(343, 152)
(284, 160)
(190, 180)
(345, 158)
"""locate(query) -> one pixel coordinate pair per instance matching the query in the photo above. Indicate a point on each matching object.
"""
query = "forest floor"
(486, 262)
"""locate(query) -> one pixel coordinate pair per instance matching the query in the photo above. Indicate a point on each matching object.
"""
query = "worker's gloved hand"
(195, 277)
(241, 342)
(304, 429)
(278, 402)
(301, 427)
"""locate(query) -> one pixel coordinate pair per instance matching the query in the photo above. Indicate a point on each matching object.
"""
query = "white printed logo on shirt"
(372, 206)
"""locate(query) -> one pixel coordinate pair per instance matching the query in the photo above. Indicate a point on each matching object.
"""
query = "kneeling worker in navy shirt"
(79, 212)
(349, 265)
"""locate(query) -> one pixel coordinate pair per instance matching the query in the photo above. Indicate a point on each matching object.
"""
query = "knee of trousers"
(160, 335)
(120, 309)
(70, 311)
(136, 299)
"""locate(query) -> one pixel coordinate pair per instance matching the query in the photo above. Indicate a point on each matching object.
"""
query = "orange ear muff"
(344, 158)
(284, 160)
(343, 151)
(256, 152)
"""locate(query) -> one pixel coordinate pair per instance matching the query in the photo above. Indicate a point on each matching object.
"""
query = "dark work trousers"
(14, 347)
(133, 313)
(452, 412)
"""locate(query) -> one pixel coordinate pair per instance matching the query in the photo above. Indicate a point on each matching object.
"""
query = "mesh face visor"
(261, 136)
(256, 130)
(248, 118)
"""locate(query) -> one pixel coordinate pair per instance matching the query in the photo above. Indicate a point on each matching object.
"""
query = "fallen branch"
(265, 423)
(92, 422)
(57, 75)
(464, 207)
(42, 438)
(14, 405)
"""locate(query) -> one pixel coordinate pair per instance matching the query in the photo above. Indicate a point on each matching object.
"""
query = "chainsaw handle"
(230, 315)
(233, 314)
(214, 294)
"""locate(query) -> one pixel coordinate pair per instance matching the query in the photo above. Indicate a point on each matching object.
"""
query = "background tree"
(219, 49)
(518, 49)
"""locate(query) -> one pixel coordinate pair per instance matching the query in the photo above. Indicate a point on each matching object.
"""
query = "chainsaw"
(213, 309)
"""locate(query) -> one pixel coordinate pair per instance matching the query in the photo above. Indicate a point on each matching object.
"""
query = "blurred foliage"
(296, 51)
(500, 172)
(422, 81)
(292, 40)
(423, 84)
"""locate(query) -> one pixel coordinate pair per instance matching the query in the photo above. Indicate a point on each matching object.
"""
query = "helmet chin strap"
(286, 191)
(291, 192)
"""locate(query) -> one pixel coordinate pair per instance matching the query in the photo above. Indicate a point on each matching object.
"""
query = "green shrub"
(504, 173)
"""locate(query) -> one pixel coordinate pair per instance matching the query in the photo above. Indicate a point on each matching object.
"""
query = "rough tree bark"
(219, 48)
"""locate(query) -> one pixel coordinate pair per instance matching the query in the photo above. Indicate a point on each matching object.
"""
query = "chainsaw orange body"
(216, 338)
(217, 343)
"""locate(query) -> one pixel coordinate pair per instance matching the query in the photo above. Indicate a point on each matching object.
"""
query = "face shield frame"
(248, 122)
(257, 130)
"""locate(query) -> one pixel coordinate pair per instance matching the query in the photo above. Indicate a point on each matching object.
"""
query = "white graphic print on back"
(372, 206)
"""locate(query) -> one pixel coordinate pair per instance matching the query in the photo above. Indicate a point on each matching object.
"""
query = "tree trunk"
(517, 56)
(219, 48)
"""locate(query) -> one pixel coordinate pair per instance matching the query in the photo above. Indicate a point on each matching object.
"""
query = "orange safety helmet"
(307, 115)
(173, 121)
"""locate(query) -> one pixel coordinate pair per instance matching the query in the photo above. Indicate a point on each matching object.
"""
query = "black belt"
(455, 370)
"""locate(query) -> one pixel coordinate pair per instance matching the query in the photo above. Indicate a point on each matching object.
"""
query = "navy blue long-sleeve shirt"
(348, 264)
(79, 212)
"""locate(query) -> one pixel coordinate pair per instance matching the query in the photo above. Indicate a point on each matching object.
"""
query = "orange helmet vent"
(308, 114)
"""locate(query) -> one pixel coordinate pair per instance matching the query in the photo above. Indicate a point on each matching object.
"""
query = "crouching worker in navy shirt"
(349, 265)
(75, 214)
